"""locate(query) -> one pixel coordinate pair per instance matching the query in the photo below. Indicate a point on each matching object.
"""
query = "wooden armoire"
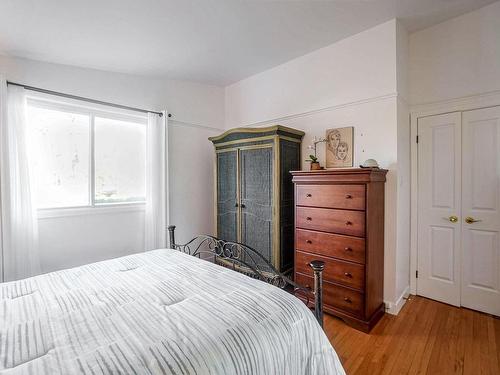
(339, 219)
(254, 202)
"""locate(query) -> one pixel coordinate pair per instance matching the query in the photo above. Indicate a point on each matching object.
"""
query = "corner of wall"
(395, 307)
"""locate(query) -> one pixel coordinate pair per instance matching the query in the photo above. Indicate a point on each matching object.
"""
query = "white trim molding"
(51, 213)
(466, 103)
(276, 120)
(394, 308)
(193, 125)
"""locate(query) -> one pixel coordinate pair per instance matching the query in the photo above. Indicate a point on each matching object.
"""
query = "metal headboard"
(246, 260)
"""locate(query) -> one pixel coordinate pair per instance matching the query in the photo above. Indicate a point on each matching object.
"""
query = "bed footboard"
(244, 259)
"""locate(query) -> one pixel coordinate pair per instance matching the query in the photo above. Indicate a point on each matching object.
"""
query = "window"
(85, 157)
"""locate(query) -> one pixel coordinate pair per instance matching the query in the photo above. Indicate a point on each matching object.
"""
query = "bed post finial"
(318, 266)
(171, 236)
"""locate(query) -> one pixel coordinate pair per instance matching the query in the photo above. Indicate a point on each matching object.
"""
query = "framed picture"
(339, 147)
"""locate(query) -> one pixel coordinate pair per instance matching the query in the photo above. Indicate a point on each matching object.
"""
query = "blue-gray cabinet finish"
(254, 189)
(227, 189)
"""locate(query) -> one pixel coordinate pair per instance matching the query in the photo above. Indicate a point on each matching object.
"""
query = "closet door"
(481, 210)
(439, 201)
(227, 195)
(256, 191)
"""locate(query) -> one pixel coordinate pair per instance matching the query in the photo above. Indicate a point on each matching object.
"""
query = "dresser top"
(340, 175)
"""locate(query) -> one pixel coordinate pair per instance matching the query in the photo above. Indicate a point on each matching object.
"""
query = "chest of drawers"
(339, 219)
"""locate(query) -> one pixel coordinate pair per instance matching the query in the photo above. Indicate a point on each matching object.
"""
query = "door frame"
(467, 103)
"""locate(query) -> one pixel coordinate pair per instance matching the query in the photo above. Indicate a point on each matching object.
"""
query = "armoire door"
(481, 210)
(256, 192)
(227, 195)
(439, 199)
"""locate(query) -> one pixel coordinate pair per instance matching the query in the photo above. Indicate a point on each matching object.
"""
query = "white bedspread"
(160, 312)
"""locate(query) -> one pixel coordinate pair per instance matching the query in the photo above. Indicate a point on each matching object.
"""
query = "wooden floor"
(427, 337)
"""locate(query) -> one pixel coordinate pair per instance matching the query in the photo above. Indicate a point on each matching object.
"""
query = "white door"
(439, 180)
(481, 210)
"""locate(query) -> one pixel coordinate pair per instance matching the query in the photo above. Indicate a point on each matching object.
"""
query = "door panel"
(256, 176)
(481, 201)
(227, 195)
(442, 247)
(439, 181)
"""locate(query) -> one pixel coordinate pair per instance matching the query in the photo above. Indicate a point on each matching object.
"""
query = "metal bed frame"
(246, 260)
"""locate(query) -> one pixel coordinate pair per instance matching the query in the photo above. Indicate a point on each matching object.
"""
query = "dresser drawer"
(336, 296)
(332, 245)
(350, 197)
(338, 271)
(347, 222)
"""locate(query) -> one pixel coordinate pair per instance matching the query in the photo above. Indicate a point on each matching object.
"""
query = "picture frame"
(340, 147)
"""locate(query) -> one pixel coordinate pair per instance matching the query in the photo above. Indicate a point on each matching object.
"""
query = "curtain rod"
(94, 101)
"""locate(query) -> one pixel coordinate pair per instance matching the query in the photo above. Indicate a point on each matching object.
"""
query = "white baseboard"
(395, 307)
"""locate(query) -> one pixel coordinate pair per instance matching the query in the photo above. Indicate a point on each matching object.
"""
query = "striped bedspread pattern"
(159, 312)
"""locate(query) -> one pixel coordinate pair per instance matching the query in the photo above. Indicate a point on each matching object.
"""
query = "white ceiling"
(209, 41)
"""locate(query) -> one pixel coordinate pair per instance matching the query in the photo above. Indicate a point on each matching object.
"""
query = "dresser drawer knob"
(309, 218)
(348, 196)
(347, 299)
(348, 223)
(309, 241)
(347, 274)
(347, 249)
(308, 195)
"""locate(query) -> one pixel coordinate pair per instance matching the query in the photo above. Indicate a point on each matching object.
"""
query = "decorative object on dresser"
(339, 219)
(254, 190)
(313, 159)
(339, 147)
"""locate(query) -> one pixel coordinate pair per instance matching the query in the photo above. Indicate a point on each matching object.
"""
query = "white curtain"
(156, 182)
(19, 219)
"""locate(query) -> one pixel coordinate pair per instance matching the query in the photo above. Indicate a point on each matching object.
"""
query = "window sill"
(49, 213)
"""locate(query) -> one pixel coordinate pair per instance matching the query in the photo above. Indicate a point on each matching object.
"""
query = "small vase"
(315, 166)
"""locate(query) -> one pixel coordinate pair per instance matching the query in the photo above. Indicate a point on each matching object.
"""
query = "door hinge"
(416, 274)
(417, 139)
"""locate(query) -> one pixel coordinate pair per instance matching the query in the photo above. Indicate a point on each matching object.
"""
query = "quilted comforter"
(159, 312)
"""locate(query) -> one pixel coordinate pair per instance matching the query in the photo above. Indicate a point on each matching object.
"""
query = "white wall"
(191, 181)
(70, 241)
(197, 109)
(456, 58)
(402, 263)
(357, 68)
(453, 66)
(353, 82)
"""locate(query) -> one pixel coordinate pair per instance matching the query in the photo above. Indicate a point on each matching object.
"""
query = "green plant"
(312, 159)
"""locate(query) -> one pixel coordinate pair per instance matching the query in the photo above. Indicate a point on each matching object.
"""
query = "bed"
(158, 312)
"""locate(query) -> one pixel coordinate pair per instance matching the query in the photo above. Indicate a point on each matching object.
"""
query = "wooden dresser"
(339, 219)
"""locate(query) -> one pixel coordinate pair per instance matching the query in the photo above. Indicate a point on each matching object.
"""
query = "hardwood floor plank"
(427, 337)
(400, 342)
(496, 324)
(493, 347)
(416, 345)
(471, 358)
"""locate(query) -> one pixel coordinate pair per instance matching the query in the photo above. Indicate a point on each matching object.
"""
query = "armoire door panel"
(256, 199)
(289, 161)
(480, 206)
(227, 195)
(439, 181)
